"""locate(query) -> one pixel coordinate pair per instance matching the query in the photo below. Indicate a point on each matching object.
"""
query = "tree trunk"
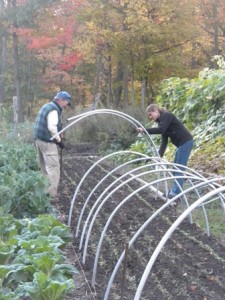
(16, 77)
(30, 91)
(109, 90)
(118, 89)
(223, 45)
(15, 112)
(3, 69)
(125, 88)
(143, 93)
(215, 30)
(132, 89)
(96, 95)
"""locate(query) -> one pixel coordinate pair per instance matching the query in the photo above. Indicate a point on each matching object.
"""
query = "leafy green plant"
(198, 99)
(24, 193)
(31, 258)
(22, 186)
(199, 103)
(9, 227)
(6, 252)
(44, 288)
(46, 225)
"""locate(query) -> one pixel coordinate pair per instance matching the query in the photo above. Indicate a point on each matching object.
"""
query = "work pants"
(49, 162)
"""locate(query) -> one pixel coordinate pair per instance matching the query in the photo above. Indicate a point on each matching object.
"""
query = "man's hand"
(60, 144)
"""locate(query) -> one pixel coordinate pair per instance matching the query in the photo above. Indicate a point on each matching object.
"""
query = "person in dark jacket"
(48, 124)
(171, 128)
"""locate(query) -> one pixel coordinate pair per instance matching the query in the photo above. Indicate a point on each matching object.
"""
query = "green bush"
(22, 186)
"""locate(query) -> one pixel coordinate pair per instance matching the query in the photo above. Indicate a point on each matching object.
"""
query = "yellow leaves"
(124, 2)
(91, 26)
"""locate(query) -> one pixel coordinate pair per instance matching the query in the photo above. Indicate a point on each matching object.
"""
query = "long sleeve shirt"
(170, 127)
(52, 122)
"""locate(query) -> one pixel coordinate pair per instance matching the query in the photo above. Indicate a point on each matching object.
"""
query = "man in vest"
(48, 123)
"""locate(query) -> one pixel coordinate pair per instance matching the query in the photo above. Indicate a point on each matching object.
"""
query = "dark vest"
(41, 131)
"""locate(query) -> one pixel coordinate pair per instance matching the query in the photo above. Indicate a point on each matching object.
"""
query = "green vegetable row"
(31, 259)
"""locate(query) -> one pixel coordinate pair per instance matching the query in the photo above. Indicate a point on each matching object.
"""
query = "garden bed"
(190, 266)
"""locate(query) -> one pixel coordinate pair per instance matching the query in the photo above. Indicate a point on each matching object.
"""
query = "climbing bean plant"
(198, 102)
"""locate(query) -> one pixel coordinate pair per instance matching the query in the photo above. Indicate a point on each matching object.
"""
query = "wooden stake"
(124, 269)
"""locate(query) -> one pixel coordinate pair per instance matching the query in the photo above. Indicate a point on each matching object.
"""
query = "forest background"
(114, 54)
(118, 54)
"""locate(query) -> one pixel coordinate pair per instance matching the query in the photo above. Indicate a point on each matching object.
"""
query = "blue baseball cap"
(63, 95)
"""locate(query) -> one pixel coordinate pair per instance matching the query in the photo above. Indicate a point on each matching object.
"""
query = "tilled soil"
(191, 265)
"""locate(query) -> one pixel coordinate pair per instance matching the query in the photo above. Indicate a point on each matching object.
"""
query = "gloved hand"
(60, 144)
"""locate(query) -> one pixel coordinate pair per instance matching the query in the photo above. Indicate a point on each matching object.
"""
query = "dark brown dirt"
(190, 266)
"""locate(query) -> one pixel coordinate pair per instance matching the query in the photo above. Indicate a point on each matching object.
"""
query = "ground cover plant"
(32, 262)
(22, 186)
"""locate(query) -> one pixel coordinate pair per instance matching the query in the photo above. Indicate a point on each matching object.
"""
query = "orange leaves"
(69, 61)
(41, 42)
(54, 38)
